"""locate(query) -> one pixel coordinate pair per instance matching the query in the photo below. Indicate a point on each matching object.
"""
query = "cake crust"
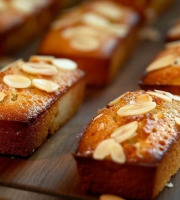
(29, 115)
(148, 154)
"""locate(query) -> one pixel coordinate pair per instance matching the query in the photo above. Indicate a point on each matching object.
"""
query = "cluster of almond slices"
(42, 65)
(167, 60)
(143, 104)
(87, 37)
(24, 6)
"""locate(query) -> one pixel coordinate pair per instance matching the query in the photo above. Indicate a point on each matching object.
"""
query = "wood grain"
(14, 194)
(52, 169)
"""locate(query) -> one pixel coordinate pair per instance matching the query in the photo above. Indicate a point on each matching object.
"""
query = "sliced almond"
(112, 148)
(177, 120)
(174, 44)
(117, 153)
(66, 64)
(72, 16)
(117, 100)
(175, 31)
(138, 147)
(69, 32)
(125, 132)
(176, 98)
(45, 85)
(143, 98)
(61, 23)
(2, 96)
(36, 58)
(162, 62)
(168, 94)
(93, 19)
(26, 7)
(110, 197)
(103, 149)
(39, 68)
(118, 30)
(136, 109)
(98, 116)
(17, 81)
(161, 96)
(80, 30)
(108, 9)
(85, 43)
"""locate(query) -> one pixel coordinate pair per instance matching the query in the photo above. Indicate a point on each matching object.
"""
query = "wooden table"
(14, 194)
(51, 170)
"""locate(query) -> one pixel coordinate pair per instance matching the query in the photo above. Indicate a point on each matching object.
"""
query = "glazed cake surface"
(125, 148)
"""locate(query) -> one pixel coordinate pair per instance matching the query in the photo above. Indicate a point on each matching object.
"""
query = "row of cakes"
(123, 138)
(78, 31)
(22, 21)
(131, 147)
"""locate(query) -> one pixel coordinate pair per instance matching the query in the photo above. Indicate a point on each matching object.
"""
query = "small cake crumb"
(101, 126)
(169, 185)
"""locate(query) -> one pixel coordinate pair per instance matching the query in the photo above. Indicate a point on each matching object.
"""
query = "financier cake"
(23, 20)
(164, 72)
(98, 35)
(132, 147)
(36, 98)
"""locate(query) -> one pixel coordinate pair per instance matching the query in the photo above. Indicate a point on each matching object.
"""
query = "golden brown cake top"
(165, 69)
(92, 29)
(138, 127)
(29, 88)
(13, 11)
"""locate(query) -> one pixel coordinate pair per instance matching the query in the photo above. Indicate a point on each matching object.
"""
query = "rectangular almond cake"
(22, 20)
(98, 35)
(164, 72)
(36, 98)
(132, 147)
